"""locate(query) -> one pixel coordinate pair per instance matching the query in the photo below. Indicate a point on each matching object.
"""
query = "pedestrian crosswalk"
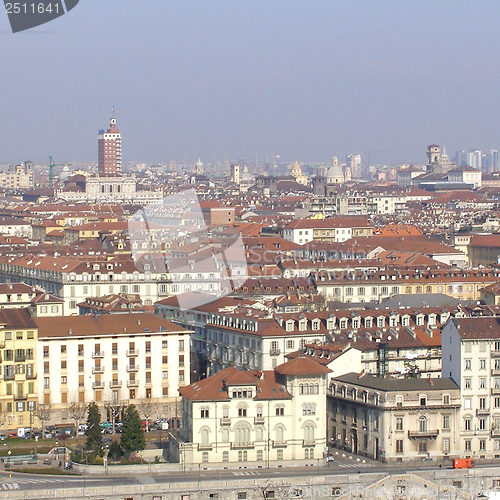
(356, 465)
(246, 473)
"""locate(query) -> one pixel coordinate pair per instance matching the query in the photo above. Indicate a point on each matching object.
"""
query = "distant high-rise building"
(354, 164)
(494, 161)
(235, 174)
(110, 151)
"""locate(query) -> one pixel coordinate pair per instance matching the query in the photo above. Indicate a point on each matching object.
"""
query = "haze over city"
(306, 80)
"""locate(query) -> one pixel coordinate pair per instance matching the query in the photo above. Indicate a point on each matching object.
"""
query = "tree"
(93, 432)
(114, 408)
(77, 413)
(132, 436)
(147, 409)
(412, 370)
(42, 412)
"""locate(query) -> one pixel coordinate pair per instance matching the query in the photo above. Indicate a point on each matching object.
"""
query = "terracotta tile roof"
(215, 388)
(302, 366)
(103, 325)
(17, 318)
(478, 328)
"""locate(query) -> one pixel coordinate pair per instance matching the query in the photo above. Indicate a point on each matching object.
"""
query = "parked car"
(12, 434)
(3, 437)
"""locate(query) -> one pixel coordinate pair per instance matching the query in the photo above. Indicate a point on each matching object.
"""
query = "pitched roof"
(215, 388)
(102, 325)
(478, 328)
(302, 366)
(388, 384)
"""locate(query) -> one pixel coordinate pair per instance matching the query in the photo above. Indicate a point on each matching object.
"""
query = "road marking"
(10, 486)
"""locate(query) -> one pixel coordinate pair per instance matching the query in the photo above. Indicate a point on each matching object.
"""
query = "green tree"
(132, 438)
(93, 432)
(412, 370)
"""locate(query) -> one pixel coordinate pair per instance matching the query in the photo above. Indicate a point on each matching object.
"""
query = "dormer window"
(368, 322)
(343, 323)
(380, 322)
(315, 324)
(330, 323)
(355, 323)
(302, 325)
(289, 325)
(420, 320)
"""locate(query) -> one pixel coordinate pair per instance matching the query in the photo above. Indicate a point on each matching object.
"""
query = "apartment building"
(252, 416)
(335, 229)
(359, 287)
(18, 384)
(138, 357)
(471, 357)
(74, 279)
(394, 420)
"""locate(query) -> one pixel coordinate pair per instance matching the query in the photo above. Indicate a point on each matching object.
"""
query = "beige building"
(250, 416)
(394, 420)
(360, 287)
(137, 357)
(471, 357)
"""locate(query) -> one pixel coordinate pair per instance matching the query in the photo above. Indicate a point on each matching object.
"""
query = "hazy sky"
(209, 78)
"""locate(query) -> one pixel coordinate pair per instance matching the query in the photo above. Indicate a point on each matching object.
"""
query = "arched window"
(242, 434)
(259, 434)
(204, 432)
(422, 424)
(279, 434)
(308, 429)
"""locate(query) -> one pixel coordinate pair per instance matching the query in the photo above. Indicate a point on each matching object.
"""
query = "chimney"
(361, 373)
(429, 379)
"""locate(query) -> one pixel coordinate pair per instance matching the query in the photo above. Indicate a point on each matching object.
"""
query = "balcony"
(31, 376)
(132, 352)
(20, 397)
(205, 447)
(495, 433)
(98, 385)
(258, 420)
(132, 383)
(115, 384)
(241, 446)
(495, 391)
(482, 411)
(133, 368)
(495, 372)
(8, 376)
(495, 354)
(98, 355)
(431, 433)
(97, 369)
(274, 351)
(225, 421)
(20, 358)
(279, 444)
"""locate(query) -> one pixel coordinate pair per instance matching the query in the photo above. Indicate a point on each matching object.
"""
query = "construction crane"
(51, 170)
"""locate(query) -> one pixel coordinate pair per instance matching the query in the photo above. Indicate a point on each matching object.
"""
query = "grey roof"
(421, 300)
(389, 384)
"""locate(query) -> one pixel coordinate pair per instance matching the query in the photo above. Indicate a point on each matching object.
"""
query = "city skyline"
(236, 80)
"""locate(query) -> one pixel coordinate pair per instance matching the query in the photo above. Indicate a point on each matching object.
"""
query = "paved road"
(340, 466)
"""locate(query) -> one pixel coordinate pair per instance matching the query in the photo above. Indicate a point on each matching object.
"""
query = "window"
(446, 421)
(225, 456)
(467, 424)
(280, 410)
(446, 399)
(399, 423)
(482, 364)
(467, 445)
(204, 457)
(181, 345)
(482, 444)
(422, 424)
(482, 403)
(482, 424)
(422, 447)
(446, 445)
(204, 413)
(423, 400)
(468, 383)
(242, 412)
(399, 446)
(468, 364)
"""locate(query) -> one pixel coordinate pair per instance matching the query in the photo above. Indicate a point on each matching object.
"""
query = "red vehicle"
(463, 463)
